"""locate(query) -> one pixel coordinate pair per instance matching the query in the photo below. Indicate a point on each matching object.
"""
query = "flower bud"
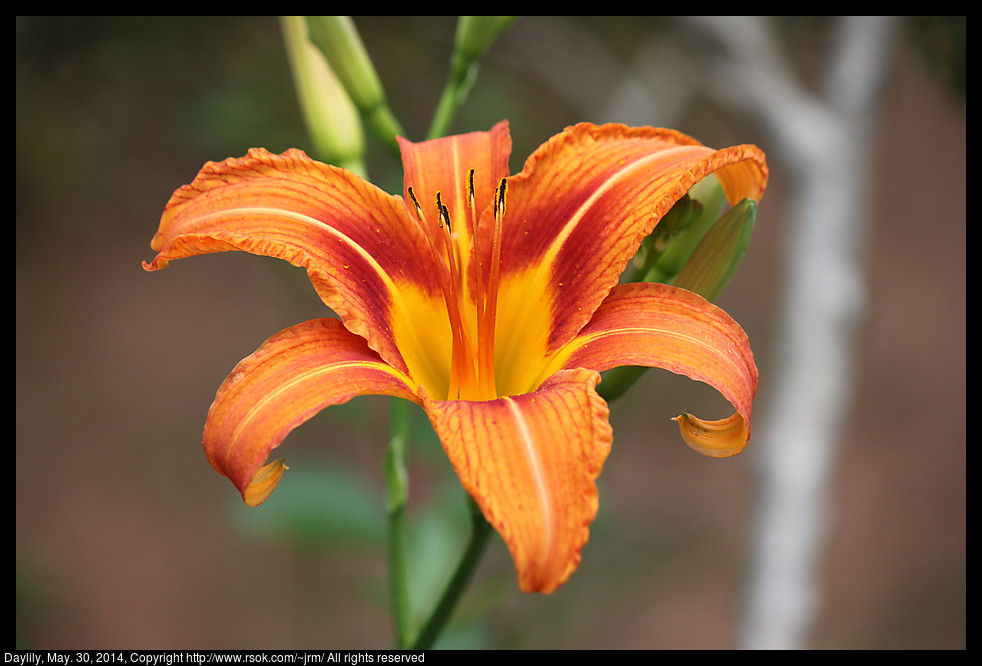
(331, 118)
(715, 260)
(341, 44)
(475, 34)
(674, 223)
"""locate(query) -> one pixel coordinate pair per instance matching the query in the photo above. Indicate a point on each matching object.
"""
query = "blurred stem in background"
(826, 139)
(397, 498)
(473, 37)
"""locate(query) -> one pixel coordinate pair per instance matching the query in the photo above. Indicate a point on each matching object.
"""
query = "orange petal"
(585, 199)
(530, 462)
(656, 325)
(264, 482)
(292, 376)
(365, 254)
(716, 439)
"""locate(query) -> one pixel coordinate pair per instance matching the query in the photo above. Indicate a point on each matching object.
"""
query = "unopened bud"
(648, 263)
(331, 118)
(715, 260)
(338, 39)
(475, 34)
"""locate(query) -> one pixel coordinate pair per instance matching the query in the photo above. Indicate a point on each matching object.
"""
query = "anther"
(419, 209)
(443, 213)
(499, 198)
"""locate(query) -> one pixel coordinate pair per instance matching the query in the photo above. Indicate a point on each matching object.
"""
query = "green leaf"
(318, 507)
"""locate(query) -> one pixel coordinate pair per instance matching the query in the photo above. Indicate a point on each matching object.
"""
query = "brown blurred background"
(125, 538)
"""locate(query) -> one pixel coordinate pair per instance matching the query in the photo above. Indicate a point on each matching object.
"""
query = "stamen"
(470, 189)
(443, 213)
(485, 347)
(419, 209)
(499, 198)
(461, 369)
(472, 374)
(488, 317)
(458, 349)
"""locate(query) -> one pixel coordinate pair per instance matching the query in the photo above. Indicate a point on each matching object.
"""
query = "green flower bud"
(712, 265)
(674, 223)
(708, 199)
(332, 120)
(338, 38)
(475, 34)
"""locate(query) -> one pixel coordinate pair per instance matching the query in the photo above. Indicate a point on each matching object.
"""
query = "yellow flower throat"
(472, 375)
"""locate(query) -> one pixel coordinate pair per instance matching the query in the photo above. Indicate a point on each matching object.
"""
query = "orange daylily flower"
(490, 300)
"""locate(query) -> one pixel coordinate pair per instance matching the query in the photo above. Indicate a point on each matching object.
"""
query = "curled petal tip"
(716, 439)
(264, 482)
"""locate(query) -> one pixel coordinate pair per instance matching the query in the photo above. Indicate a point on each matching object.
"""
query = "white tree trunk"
(828, 143)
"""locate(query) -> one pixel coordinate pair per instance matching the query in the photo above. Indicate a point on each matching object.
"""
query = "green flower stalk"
(331, 118)
(474, 35)
(397, 497)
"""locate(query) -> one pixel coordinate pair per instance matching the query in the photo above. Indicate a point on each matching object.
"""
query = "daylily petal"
(363, 251)
(530, 462)
(264, 482)
(656, 325)
(292, 376)
(716, 439)
(577, 213)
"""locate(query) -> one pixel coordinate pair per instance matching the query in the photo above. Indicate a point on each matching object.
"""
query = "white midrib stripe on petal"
(536, 469)
(300, 378)
(313, 221)
(615, 178)
(739, 368)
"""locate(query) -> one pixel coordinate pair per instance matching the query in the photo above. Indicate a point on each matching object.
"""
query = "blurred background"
(125, 537)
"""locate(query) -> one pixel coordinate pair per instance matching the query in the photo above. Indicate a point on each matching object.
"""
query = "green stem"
(473, 37)
(480, 537)
(397, 496)
(450, 100)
